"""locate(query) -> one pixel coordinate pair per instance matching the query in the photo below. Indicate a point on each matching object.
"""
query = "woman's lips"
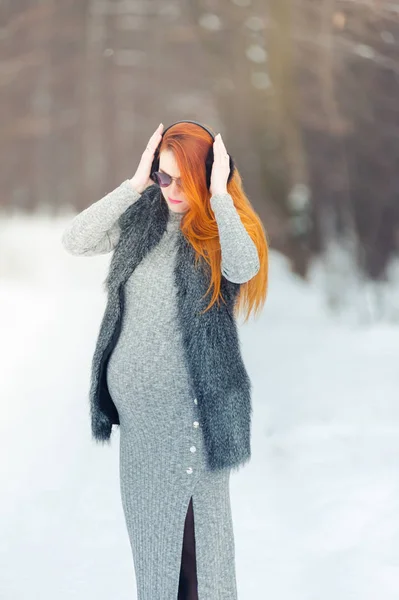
(175, 201)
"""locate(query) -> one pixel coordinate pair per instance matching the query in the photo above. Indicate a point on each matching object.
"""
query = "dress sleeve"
(96, 230)
(240, 259)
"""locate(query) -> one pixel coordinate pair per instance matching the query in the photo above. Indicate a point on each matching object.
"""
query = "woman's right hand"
(141, 179)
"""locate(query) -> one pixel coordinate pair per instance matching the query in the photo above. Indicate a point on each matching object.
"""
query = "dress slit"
(188, 583)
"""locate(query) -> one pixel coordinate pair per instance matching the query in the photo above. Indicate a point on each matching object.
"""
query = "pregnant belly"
(146, 404)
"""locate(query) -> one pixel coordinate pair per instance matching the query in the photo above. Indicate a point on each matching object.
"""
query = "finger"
(223, 151)
(152, 145)
(154, 139)
(157, 134)
(217, 145)
(221, 144)
(220, 151)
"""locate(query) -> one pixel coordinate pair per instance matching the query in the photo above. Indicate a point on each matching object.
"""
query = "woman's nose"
(175, 189)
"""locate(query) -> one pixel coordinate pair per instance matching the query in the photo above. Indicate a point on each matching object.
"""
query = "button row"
(193, 448)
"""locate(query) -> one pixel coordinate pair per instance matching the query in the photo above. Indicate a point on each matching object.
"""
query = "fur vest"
(219, 379)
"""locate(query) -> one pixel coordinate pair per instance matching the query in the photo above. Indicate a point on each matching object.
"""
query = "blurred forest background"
(305, 94)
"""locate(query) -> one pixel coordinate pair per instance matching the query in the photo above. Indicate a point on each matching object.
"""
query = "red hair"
(190, 145)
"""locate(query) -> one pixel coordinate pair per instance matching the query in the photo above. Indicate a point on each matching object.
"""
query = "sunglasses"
(164, 180)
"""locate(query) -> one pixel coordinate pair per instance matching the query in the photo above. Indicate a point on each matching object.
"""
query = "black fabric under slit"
(188, 584)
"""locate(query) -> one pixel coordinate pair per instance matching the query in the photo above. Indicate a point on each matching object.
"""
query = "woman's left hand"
(220, 167)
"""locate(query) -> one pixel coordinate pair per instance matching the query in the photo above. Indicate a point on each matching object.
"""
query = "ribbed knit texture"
(162, 453)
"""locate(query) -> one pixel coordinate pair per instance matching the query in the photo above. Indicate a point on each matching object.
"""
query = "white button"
(193, 449)
(195, 424)
(189, 470)
(195, 401)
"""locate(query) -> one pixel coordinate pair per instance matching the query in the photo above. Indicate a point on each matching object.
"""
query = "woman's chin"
(177, 207)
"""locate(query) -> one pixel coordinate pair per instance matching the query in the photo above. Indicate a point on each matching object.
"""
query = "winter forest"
(305, 94)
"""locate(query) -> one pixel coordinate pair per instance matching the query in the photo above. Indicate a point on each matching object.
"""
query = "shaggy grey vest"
(219, 379)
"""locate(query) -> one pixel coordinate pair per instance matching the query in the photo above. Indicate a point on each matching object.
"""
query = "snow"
(316, 511)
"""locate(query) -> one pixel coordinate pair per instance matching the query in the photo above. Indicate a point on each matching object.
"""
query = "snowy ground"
(316, 512)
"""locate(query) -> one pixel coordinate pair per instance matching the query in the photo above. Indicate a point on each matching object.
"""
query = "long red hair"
(190, 145)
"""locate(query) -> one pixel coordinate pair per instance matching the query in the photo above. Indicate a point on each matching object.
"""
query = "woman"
(167, 367)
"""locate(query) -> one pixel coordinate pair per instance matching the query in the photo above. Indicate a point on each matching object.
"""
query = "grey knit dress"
(162, 453)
